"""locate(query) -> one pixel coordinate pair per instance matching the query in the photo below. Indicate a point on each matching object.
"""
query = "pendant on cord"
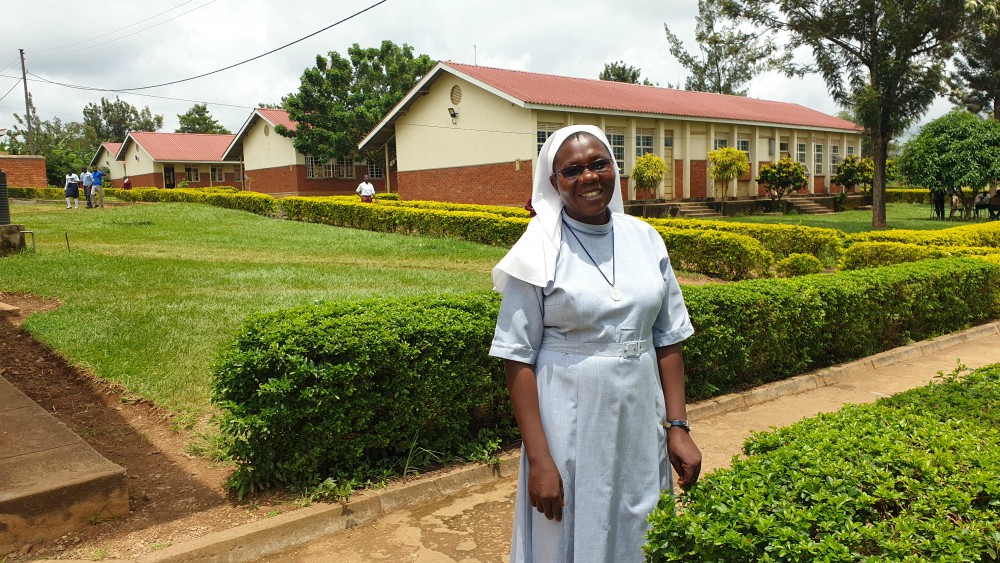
(615, 294)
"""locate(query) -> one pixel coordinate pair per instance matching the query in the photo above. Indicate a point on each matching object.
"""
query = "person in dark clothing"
(938, 197)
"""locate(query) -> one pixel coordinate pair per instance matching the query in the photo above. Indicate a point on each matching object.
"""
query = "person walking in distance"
(72, 190)
(97, 190)
(366, 190)
(88, 182)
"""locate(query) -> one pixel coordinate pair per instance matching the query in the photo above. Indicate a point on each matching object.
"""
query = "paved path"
(474, 525)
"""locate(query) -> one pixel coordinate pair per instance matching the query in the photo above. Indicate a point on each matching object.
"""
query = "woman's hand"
(685, 456)
(545, 489)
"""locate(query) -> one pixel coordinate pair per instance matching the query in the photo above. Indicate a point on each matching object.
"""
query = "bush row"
(911, 478)
(781, 240)
(350, 389)
(14, 192)
(729, 256)
(220, 196)
(873, 254)
(907, 195)
(982, 234)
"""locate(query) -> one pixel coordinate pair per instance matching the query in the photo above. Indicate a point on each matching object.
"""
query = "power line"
(123, 90)
(116, 30)
(11, 89)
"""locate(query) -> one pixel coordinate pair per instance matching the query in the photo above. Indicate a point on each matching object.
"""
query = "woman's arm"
(545, 489)
(684, 454)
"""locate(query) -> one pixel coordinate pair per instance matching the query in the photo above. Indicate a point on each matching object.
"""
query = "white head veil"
(533, 257)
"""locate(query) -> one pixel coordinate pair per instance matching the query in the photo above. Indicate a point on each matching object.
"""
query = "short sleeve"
(673, 324)
(518, 333)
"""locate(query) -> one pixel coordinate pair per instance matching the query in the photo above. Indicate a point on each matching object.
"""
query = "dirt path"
(173, 496)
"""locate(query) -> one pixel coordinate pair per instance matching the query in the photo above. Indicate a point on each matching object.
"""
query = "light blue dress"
(599, 390)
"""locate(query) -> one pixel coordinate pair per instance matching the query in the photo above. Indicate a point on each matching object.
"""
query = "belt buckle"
(631, 350)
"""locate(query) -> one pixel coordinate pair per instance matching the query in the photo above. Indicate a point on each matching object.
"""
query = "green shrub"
(798, 265)
(219, 196)
(980, 234)
(724, 255)
(908, 479)
(874, 254)
(908, 195)
(349, 390)
(50, 192)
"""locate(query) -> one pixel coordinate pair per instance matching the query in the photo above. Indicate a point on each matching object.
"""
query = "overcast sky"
(118, 45)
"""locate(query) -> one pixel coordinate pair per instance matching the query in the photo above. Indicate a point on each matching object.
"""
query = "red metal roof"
(112, 148)
(277, 117)
(550, 90)
(183, 147)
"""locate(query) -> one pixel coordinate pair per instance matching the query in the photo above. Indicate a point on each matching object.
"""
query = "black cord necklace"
(616, 295)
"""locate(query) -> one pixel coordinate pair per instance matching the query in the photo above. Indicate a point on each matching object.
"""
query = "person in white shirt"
(72, 190)
(366, 190)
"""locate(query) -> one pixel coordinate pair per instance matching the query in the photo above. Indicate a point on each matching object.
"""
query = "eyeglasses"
(574, 171)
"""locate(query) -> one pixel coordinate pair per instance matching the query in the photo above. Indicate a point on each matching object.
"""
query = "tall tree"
(975, 83)
(198, 120)
(729, 58)
(111, 121)
(340, 100)
(884, 58)
(618, 71)
(66, 146)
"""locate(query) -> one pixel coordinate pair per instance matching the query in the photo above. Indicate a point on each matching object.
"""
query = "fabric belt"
(630, 349)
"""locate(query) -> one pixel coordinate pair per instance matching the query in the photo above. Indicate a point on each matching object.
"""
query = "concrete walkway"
(465, 515)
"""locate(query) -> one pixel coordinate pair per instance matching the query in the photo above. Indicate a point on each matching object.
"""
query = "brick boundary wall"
(283, 181)
(486, 184)
(24, 171)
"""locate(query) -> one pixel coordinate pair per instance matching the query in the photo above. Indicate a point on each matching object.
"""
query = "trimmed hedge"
(348, 389)
(51, 192)
(874, 254)
(979, 234)
(724, 255)
(908, 195)
(781, 240)
(798, 265)
(219, 196)
(911, 478)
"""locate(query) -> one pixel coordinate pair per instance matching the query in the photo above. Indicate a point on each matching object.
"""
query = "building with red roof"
(272, 165)
(166, 160)
(107, 158)
(471, 134)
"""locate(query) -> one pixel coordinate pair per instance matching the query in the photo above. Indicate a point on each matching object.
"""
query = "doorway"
(168, 177)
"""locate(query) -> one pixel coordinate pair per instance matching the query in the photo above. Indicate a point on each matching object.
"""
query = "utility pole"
(27, 106)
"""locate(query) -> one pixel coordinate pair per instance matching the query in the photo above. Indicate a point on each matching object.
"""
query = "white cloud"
(571, 39)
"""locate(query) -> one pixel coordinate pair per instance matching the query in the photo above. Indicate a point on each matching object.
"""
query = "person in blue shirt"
(97, 190)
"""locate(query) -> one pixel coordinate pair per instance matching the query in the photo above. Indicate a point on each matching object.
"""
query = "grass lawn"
(151, 293)
(898, 216)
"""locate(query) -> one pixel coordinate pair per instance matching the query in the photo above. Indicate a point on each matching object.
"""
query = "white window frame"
(668, 139)
(834, 157)
(343, 167)
(783, 148)
(800, 152)
(643, 140)
(616, 137)
(192, 174)
(818, 157)
(850, 150)
(314, 168)
(720, 142)
(375, 171)
(217, 174)
(744, 145)
(545, 130)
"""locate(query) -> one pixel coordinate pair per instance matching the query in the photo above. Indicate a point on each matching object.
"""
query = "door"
(168, 176)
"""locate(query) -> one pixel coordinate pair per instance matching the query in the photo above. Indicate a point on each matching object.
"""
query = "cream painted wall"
(268, 150)
(116, 169)
(488, 129)
(135, 167)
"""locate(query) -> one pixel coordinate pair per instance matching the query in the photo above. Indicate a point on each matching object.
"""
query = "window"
(834, 157)
(643, 141)
(375, 170)
(344, 167)
(720, 142)
(217, 174)
(616, 136)
(668, 139)
(850, 150)
(819, 158)
(744, 145)
(545, 131)
(314, 168)
(800, 152)
(783, 149)
(192, 174)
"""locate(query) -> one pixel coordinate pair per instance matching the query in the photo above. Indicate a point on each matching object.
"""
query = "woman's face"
(586, 196)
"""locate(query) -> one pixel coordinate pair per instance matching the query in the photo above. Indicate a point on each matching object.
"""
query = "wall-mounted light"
(137, 157)
(453, 113)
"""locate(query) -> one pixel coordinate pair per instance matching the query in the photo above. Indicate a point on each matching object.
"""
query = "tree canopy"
(729, 57)
(340, 100)
(975, 83)
(111, 121)
(66, 146)
(958, 150)
(782, 178)
(618, 71)
(886, 59)
(198, 120)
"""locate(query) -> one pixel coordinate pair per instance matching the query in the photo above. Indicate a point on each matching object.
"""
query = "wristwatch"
(681, 423)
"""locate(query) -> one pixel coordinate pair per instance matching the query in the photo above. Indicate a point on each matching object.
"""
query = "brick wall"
(151, 180)
(487, 184)
(291, 180)
(24, 171)
(699, 178)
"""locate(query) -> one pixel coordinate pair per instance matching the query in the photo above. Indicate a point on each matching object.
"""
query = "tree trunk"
(880, 144)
